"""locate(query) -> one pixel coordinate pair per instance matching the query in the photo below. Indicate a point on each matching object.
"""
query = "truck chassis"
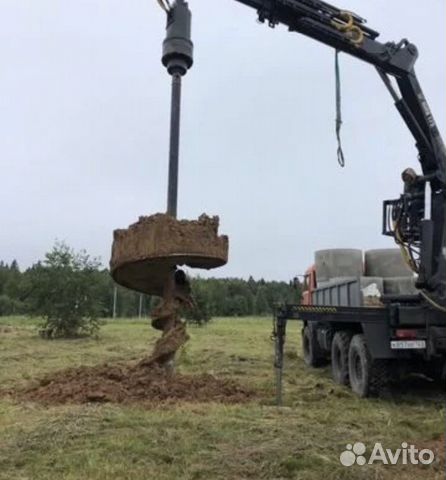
(366, 346)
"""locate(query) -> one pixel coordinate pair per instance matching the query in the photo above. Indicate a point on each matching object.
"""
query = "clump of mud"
(167, 346)
(144, 254)
(132, 384)
(161, 235)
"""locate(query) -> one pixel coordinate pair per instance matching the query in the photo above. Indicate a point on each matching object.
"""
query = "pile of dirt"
(132, 384)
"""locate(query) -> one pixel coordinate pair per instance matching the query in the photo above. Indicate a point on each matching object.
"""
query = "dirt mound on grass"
(135, 384)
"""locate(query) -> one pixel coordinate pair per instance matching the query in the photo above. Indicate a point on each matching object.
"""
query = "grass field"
(302, 440)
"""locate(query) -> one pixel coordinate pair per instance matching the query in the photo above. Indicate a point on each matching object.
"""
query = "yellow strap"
(355, 34)
(355, 30)
(344, 27)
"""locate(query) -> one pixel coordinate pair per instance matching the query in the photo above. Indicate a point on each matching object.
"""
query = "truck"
(345, 305)
(406, 328)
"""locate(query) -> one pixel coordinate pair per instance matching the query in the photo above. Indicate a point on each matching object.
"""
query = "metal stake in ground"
(177, 58)
(279, 340)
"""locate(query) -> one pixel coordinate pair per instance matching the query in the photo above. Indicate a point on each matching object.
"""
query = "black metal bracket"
(280, 324)
(314, 313)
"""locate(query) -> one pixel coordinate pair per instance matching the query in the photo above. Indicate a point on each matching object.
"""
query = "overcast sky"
(84, 105)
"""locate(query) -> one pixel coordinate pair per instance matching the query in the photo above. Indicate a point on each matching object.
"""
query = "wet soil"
(124, 384)
(167, 346)
(144, 254)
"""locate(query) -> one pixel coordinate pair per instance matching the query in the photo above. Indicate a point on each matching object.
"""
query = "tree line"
(65, 274)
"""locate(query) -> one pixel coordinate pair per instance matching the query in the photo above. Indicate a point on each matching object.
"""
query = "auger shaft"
(177, 58)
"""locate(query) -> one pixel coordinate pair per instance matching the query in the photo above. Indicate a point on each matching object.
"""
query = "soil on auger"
(145, 258)
(144, 254)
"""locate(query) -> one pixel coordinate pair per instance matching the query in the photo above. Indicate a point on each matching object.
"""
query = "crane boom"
(421, 235)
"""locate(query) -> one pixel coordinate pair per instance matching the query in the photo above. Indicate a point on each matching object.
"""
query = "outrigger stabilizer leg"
(279, 341)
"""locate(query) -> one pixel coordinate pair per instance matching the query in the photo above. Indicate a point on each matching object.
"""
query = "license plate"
(408, 345)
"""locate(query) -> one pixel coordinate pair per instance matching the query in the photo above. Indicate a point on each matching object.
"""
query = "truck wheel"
(367, 376)
(339, 357)
(313, 356)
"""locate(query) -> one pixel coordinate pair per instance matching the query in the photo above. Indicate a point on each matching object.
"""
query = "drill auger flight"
(146, 256)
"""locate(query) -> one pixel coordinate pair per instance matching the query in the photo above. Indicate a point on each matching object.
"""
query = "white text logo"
(406, 455)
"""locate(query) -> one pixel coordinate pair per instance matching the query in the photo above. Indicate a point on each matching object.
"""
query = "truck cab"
(310, 284)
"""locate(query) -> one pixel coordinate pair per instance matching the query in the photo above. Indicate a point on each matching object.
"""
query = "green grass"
(302, 440)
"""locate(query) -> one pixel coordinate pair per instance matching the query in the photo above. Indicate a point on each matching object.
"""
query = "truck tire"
(313, 355)
(339, 357)
(368, 377)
